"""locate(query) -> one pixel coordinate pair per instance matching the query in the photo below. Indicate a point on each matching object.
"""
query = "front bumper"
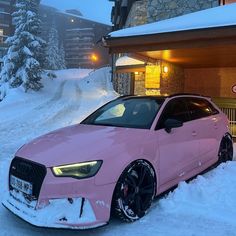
(74, 213)
(64, 203)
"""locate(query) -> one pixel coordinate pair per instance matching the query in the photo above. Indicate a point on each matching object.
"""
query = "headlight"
(79, 170)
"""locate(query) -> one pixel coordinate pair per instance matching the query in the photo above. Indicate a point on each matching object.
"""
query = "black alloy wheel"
(134, 191)
(226, 149)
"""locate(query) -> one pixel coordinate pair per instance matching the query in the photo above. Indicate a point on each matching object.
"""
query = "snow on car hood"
(79, 143)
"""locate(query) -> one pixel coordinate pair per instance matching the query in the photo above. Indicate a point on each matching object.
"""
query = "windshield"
(130, 112)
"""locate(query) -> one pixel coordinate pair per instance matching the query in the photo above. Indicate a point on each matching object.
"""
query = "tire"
(226, 149)
(134, 191)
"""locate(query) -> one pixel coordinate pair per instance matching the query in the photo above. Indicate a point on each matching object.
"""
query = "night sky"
(98, 10)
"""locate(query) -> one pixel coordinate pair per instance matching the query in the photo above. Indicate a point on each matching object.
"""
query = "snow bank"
(206, 196)
(59, 213)
(73, 73)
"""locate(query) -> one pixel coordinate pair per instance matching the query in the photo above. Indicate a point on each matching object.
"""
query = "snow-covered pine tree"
(52, 50)
(55, 59)
(62, 56)
(21, 66)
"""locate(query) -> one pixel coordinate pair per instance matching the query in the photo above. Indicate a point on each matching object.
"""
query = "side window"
(200, 108)
(175, 109)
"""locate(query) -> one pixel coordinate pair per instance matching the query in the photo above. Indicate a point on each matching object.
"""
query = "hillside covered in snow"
(204, 206)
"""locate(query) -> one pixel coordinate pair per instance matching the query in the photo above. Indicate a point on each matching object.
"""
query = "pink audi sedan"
(116, 160)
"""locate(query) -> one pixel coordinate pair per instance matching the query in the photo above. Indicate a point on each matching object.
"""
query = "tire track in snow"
(57, 96)
(70, 106)
(27, 127)
(64, 104)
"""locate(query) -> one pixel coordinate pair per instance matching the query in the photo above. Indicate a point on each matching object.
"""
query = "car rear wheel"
(226, 149)
(134, 191)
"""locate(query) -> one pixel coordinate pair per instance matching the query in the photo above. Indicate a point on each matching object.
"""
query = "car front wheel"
(134, 191)
(226, 149)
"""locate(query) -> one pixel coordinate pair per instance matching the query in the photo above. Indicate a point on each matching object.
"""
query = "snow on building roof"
(79, 29)
(210, 18)
(83, 18)
(127, 61)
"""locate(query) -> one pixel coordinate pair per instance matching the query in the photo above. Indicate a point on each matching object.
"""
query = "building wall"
(227, 1)
(70, 27)
(126, 13)
(6, 28)
(137, 14)
(214, 82)
(172, 81)
(165, 9)
(120, 12)
(122, 83)
(79, 45)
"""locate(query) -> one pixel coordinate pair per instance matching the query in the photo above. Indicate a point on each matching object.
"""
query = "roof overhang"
(209, 47)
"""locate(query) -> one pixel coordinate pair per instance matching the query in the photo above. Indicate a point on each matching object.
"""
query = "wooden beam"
(186, 39)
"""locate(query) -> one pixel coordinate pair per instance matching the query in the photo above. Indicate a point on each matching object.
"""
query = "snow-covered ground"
(205, 206)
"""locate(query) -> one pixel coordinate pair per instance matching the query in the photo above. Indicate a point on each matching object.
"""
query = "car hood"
(80, 143)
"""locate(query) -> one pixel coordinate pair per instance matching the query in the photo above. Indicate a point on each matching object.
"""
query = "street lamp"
(94, 57)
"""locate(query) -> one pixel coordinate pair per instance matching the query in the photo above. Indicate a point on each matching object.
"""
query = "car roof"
(165, 97)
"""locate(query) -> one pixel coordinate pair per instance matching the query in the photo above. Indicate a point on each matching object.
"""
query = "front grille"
(28, 171)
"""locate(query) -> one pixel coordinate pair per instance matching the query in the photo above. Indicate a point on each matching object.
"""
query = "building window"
(2, 12)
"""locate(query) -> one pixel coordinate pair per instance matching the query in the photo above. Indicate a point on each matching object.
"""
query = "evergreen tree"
(21, 66)
(55, 59)
(62, 57)
(52, 50)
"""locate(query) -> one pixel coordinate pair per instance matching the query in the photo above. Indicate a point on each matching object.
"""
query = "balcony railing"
(231, 113)
(228, 106)
(5, 2)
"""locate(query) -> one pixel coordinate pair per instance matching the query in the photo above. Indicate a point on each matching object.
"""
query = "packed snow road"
(205, 206)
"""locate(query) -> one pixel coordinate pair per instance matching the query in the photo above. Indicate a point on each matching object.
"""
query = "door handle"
(194, 133)
(181, 174)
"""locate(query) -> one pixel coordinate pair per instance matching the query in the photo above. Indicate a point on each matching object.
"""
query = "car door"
(205, 122)
(178, 150)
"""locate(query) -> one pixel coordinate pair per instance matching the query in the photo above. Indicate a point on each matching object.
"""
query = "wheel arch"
(127, 167)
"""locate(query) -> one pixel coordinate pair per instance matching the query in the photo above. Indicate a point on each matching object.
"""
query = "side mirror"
(172, 123)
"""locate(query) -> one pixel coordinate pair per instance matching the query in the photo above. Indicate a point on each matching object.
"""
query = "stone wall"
(122, 83)
(165, 9)
(139, 84)
(173, 81)
(137, 14)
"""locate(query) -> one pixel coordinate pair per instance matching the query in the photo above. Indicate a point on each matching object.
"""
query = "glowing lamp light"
(136, 73)
(165, 69)
(72, 20)
(94, 57)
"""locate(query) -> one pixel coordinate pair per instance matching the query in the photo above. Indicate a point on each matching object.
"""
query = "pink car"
(116, 161)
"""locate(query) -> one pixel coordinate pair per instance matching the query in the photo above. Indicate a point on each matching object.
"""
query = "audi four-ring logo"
(234, 88)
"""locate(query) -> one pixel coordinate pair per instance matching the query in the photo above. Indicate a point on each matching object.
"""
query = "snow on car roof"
(210, 18)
